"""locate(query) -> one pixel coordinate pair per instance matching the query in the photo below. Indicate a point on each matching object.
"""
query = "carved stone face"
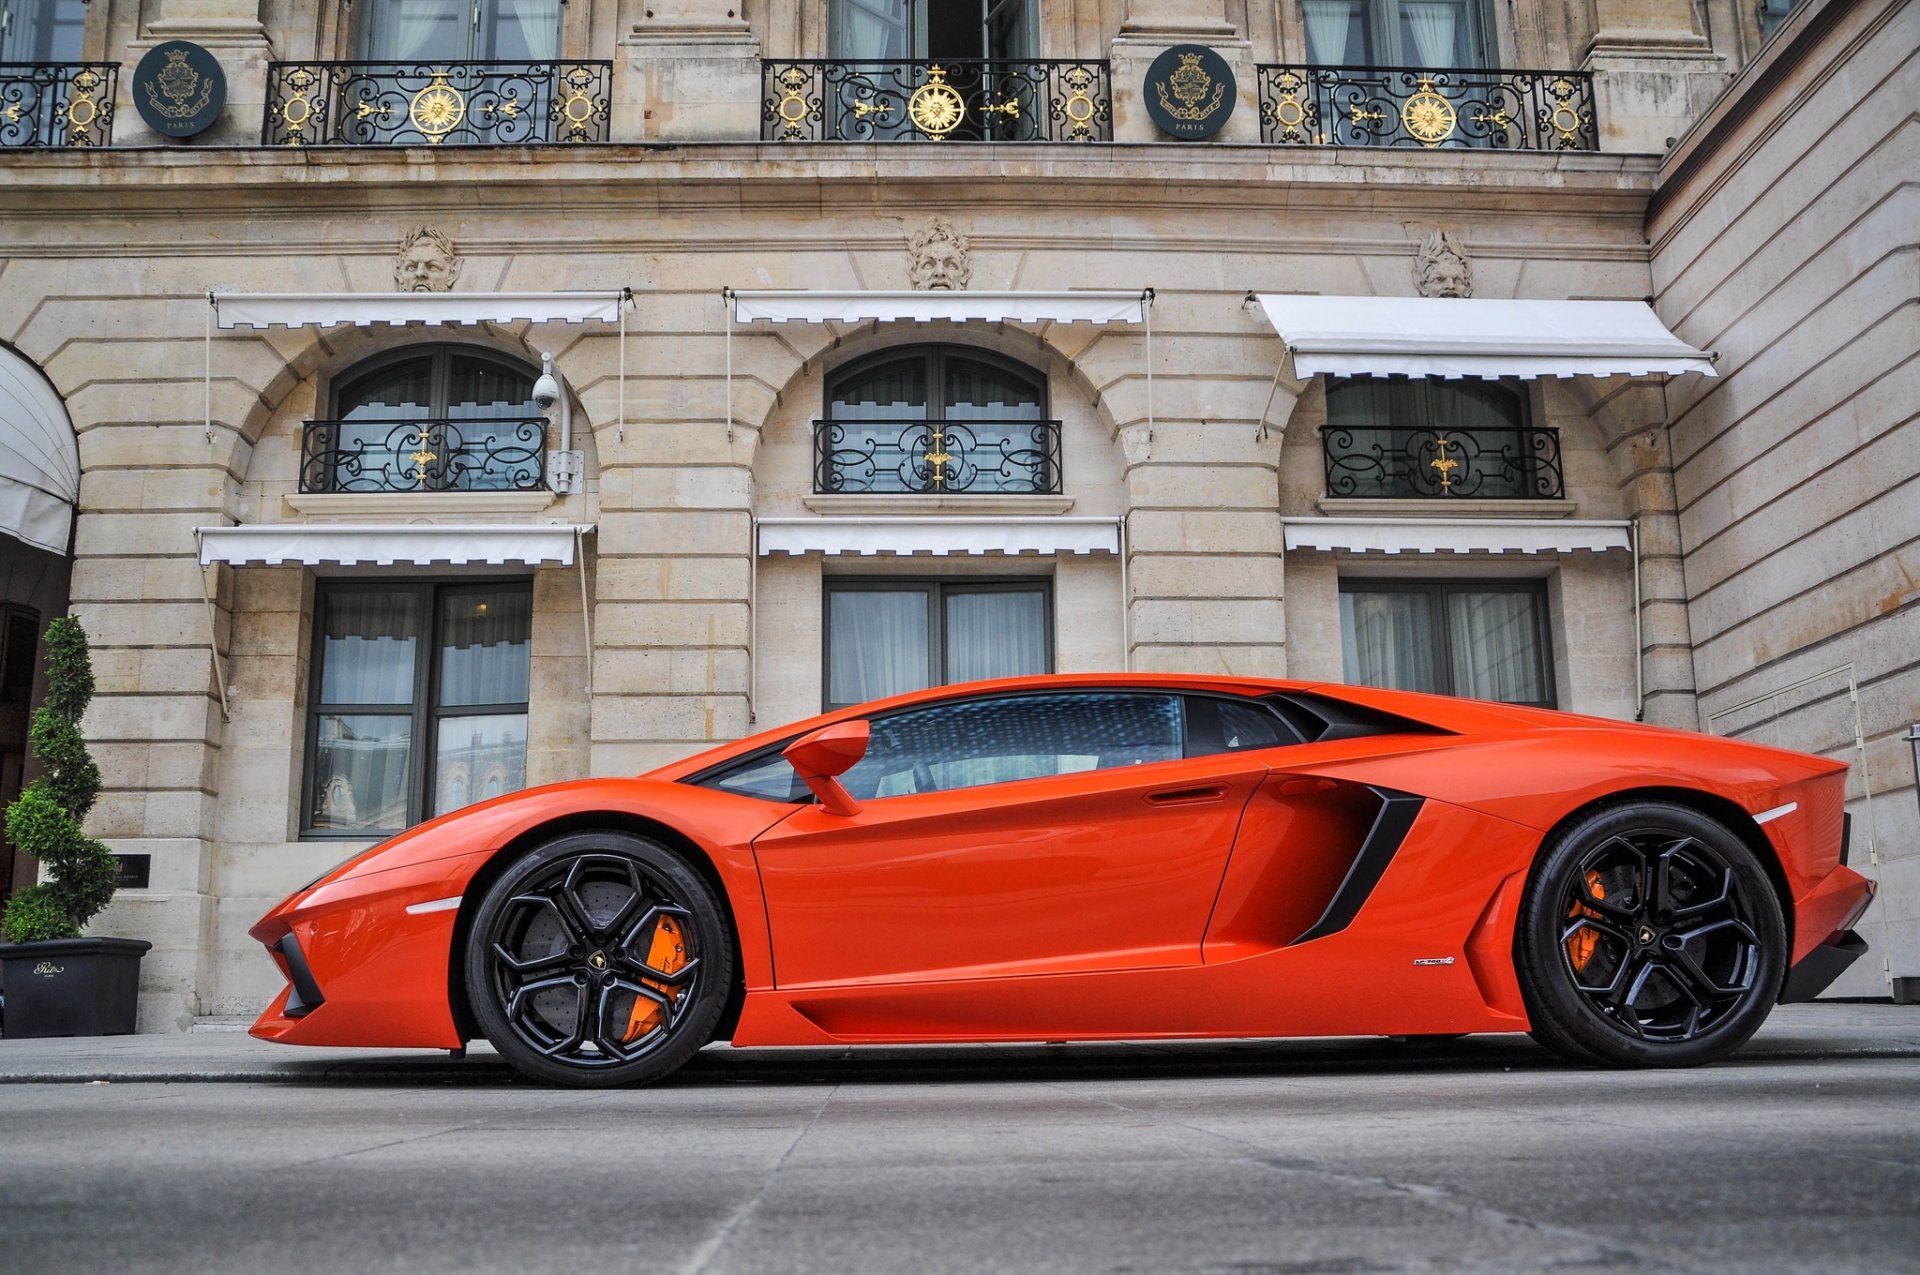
(938, 258)
(425, 265)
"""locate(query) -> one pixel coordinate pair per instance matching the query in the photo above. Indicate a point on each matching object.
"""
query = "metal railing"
(57, 103)
(436, 103)
(957, 100)
(936, 458)
(1469, 464)
(1404, 106)
(416, 455)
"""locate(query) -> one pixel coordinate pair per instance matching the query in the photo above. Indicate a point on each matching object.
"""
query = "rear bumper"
(1817, 970)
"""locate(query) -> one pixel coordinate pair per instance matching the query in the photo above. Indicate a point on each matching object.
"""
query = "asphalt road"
(1287, 1158)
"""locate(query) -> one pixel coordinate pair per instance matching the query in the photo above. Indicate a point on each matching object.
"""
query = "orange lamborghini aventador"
(1100, 857)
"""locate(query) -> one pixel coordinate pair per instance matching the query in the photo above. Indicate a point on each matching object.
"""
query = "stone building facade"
(389, 624)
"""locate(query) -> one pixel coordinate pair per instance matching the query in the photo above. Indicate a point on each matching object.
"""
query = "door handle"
(1182, 796)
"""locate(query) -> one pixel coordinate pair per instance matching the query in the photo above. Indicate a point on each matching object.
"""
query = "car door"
(1008, 835)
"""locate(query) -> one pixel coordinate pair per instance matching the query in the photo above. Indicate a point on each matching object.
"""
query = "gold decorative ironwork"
(297, 109)
(793, 109)
(437, 109)
(83, 108)
(936, 107)
(421, 459)
(1079, 107)
(1287, 112)
(1444, 463)
(1428, 117)
(578, 109)
(1566, 119)
(1363, 116)
(1497, 118)
(938, 456)
(864, 107)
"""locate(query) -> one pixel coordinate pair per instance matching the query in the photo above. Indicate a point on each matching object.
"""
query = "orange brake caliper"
(1580, 946)
(668, 954)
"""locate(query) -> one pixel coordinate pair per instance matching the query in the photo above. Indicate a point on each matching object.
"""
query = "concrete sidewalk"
(1834, 1030)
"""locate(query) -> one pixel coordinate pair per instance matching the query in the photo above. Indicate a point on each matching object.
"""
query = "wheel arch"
(581, 821)
(1722, 811)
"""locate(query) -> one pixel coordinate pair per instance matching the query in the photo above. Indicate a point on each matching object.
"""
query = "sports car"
(1100, 857)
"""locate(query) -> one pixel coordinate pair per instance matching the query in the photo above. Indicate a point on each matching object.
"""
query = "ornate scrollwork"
(57, 103)
(450, 103)
(937, 457)
(1484, 464)
(387, 455)
(976, 101)
(1388, 106)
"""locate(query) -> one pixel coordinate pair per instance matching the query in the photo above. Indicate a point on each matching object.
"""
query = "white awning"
(361, 309)
(938, 536)
(39, 458)
(956, 307)
(1456, 535)
(415, 544)
(1455, 337)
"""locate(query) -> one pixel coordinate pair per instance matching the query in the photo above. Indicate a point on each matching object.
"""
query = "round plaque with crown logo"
(179, 89)
(1189, 92)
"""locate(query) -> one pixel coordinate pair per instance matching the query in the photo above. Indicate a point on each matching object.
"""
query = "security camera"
(546, 392)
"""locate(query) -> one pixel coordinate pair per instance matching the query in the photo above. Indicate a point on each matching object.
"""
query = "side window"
(770, 777)
(993, 741)
(1217, 725)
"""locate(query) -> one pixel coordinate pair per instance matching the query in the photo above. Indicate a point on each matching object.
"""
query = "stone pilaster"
(1654, 72)
(688, 70)
(233, 32)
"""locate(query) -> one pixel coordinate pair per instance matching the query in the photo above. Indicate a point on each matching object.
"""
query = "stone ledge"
(1353, 507)
(909, 504)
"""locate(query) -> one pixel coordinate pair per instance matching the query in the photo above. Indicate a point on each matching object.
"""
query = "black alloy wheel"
(1649, 937)
(599, 959)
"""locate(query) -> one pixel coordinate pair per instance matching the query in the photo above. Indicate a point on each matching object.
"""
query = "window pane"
(981, 391)
(17, 663)
(369, 643)
(1337, 32)
(771, 777)
(878, 643)
(1250, 726)
(1388, 640)
(481, 388)
(891, 391)
(870, 29)
(478, 758)
(520, 30)
(1496, 646)
(361, 766)
(485, 639)
(400, 391)
(413, 30)
(1000, 740)
(996, 635)
(43, 31)
(1440, 33)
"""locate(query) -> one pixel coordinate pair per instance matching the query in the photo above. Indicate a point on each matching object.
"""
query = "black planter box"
(72, 987)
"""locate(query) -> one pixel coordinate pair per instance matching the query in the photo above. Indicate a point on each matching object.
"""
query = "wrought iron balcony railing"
(956, 101)
(936, 458)
(436, 103)
(1401, 106)
(57, 103)
(416, 455)
(1469, 464)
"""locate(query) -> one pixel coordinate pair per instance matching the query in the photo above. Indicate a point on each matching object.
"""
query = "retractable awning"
(1456, 337)
(1456, 535)
(363, 309)
(384, 544)
(939, 537)
(820, 306)
(39, 458)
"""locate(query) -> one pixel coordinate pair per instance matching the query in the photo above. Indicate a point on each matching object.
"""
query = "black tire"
(1649, 937)
(557, 962)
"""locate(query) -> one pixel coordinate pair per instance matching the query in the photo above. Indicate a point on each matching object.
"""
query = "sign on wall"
(1189, 92)
(179, 89)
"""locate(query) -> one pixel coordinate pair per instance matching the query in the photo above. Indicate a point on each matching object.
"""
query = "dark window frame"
(934, 357)
(936, 589)
(1424, 419)
(1439, 590)
(442, 354)
(424, 710)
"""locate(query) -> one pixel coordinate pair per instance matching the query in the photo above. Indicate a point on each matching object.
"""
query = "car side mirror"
(826, 753)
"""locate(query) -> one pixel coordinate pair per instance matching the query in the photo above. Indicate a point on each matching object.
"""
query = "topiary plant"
(45, 821)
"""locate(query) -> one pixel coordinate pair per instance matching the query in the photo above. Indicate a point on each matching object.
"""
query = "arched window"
(937, 420)
(461, 30)
(1429, 437)
(438, 418)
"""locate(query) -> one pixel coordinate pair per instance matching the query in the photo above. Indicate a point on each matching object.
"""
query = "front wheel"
(599, 959)
(1649, 937)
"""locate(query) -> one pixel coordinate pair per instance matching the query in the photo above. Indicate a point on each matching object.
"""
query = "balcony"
(436, 104)
(361, 456)
(1438, 464)
(1450, 109)
(57, 103)
(936, 458)
(957, 101)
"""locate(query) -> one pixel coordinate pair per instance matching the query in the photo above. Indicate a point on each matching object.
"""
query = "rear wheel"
(1649, 937)
(599, 959)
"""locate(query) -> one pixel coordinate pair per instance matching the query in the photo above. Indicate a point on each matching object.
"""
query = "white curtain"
(996, 635)
(539, 23)
(878, 642)
(1434, 25)
(1496, 647)
(406, 30)
(1328, 22)
(1388, 640)
(870, 30)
